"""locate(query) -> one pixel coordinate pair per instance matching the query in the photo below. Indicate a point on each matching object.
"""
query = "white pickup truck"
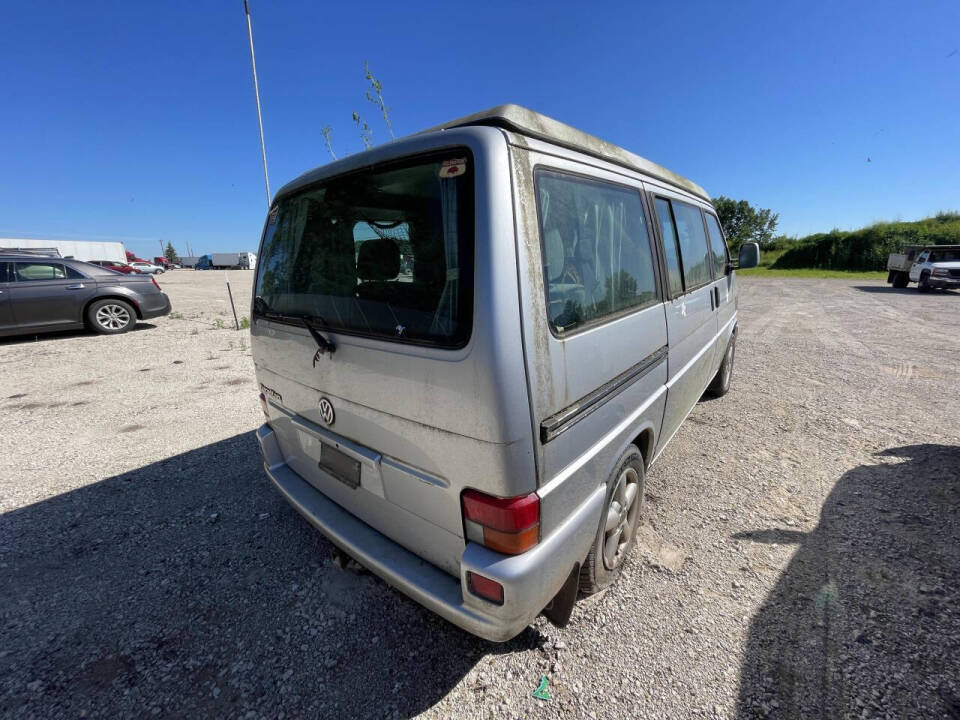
(930, 266)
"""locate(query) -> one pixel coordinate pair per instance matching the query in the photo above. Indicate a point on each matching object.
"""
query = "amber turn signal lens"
(511, 543)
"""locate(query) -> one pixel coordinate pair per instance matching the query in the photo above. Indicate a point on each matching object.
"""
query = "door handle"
(716, 292)
(75, 287)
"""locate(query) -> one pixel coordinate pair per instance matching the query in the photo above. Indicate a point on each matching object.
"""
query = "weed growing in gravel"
(175, 316)
(244, 322)
(218, 324)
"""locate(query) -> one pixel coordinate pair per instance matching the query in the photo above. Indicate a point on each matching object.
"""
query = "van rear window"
(386, 252)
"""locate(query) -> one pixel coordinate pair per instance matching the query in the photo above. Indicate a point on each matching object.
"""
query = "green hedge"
(868, 248)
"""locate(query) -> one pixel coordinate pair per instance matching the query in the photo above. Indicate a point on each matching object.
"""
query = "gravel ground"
(799, 553)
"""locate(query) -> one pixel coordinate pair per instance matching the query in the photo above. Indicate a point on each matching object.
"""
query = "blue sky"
(135, 120)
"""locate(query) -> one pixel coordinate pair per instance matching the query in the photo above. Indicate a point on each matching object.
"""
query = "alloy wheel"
(621, 517)
(113, 317)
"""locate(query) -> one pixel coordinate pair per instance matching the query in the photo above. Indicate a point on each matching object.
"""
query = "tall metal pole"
(256, 92)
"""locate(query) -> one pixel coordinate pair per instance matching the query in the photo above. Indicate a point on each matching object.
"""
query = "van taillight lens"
(485, 587)
(154, 281)
(507, 525)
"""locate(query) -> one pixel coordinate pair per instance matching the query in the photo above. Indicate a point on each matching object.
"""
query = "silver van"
(472, 344)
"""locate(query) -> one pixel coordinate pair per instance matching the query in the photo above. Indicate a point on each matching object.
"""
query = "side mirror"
(749, 255)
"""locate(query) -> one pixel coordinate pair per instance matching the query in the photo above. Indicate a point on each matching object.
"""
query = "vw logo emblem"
(326, 411)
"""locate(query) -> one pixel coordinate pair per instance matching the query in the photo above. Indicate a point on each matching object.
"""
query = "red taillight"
(265, 406)
(507, 525)
(485, 587)
(154, 281)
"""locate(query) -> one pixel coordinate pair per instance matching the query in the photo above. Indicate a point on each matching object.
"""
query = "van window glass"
(39, 271)
(597, 258)
(5, 273)
(385, 252)
(718, 247)
(669, 232)
(694, 250)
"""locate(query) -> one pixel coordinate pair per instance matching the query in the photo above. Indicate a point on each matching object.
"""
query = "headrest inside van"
(378, 260)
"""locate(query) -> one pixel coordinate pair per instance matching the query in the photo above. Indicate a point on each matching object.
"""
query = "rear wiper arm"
(323, 345)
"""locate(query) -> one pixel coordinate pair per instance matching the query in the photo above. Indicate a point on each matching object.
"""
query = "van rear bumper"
(529, 580)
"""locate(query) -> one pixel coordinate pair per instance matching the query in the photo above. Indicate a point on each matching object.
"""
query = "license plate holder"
(340, 465)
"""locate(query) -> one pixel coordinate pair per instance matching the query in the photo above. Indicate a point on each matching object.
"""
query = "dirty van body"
(472, 343)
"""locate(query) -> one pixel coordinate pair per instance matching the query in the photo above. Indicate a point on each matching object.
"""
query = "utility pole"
(256, 92)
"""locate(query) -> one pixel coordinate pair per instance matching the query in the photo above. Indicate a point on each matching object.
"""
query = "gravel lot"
(800, 553)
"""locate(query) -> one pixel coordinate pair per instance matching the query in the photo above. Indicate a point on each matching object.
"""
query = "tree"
(375, 95)
(170, 254)
(741, 222)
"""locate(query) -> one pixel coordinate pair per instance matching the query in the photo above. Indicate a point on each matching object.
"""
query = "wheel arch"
(645, 440)
(113, 296)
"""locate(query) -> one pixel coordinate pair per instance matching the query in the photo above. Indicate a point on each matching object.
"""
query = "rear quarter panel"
(563, 370)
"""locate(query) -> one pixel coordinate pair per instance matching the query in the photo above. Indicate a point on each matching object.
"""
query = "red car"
(114, 265)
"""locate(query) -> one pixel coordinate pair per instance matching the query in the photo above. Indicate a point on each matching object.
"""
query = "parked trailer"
(231, 261)
(77, 249)
(190, 261)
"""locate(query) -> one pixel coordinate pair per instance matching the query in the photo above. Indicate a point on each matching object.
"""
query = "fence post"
(232, 307)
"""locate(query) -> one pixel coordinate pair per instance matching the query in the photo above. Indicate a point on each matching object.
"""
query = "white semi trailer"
(233, 261)
(78, 249)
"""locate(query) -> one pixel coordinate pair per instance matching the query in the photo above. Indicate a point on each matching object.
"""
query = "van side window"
(717, 245)
(597, 258)
(669, 232)
(694, 251)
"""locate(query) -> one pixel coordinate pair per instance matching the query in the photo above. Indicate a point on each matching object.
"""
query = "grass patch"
(813, 273)
(769, 258)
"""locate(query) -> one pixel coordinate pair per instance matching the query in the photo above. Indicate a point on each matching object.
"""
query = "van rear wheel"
(619, 521)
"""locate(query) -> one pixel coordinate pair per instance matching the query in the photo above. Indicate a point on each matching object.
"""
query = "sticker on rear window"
(453, 168)
(274, 214)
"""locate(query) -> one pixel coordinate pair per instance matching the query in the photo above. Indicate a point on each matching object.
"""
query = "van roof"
(535, 125)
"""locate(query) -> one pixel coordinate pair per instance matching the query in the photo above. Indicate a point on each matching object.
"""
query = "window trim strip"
(560, 422)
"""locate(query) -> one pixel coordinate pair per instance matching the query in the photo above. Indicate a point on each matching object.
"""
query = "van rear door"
(407, 268)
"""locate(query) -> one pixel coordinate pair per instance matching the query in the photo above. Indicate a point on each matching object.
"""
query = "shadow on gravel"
(63, 335)
(889, 290)
(865, 620)
(189, 588)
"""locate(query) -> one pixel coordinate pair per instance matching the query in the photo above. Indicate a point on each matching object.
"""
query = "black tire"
(720, 385)
(924, 285)
(900, 280)
(622, 509)
(110, 316)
